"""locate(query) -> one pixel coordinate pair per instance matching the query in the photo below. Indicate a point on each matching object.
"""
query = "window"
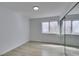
(66, 27)
(75, 27)
(70, 27)
(54, 28)
(45, 27)
(50, 27)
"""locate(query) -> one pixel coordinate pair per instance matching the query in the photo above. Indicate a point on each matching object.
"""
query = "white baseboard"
(3, 52)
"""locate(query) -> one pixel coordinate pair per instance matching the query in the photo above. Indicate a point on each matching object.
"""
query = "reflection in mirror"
(72, 27)
(67, 25)
(75, 27)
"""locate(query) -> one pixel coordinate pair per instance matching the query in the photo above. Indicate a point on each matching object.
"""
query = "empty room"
(39, 29)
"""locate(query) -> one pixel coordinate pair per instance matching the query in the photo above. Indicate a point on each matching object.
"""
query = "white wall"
(14, 30)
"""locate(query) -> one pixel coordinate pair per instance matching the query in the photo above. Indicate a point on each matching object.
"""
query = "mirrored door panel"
(70, 28)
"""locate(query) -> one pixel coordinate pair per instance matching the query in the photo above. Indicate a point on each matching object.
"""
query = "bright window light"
(45, 27)
(54, 28)
(75, 27)
(66, 27)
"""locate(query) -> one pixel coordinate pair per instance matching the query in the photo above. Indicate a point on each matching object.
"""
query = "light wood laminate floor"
(41, 49)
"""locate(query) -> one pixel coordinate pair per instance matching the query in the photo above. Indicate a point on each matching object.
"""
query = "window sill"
(61, 34)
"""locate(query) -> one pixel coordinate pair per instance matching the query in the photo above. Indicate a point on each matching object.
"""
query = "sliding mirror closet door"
(71, 32)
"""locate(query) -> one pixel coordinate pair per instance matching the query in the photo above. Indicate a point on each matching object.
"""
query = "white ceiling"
(46, 9)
